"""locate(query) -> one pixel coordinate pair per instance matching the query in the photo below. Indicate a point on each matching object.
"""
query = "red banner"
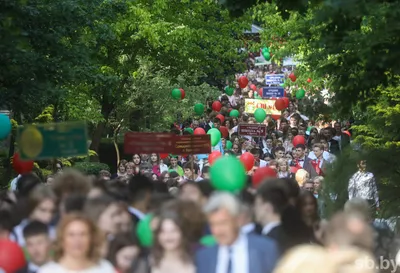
(254, 130)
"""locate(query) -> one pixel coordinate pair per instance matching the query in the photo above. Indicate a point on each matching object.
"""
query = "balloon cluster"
(266, 53)
(178, 93)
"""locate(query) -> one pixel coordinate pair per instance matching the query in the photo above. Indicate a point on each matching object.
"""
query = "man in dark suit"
(340, 137)
(38, 246)
(235, 252)
(140, 191)
(318, 166)
(334, 147)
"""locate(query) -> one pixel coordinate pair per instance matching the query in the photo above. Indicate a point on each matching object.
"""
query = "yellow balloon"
(31, 142)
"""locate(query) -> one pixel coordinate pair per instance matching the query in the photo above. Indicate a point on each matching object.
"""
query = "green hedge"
(91, 168)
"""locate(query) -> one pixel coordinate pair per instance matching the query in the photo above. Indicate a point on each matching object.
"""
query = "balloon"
(276, 117)
(280, 104)
(12, 257)
(261, 174)
(163, 156)
(189, 130)
(286, 101)
(257, 97)
(228, 174)
(224, 131)
(199, 131)
(5, 126)
(229, 91)
(228, 145)
(253, 87)
(234, 113)
(309, 80)
(229, 110)
(298, 140)
(267, 56)
(199, 109)
(214, 156)
(243, 81)
(260, 92)
(215, 136)
(176, 93)
(300, 94)
(144, 231)
(208, 240)
(260, 114)
(221, 118)
(20, 166)
(216, 106)
(292, 77)
(347, 133)
(247, 160)
(183, 94)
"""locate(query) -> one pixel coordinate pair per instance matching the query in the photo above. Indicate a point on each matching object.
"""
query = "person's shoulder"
(205, 251)
(105, 266)
(51, 267)
(260, 241)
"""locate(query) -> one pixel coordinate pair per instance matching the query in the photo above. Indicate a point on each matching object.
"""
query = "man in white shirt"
(236, 252)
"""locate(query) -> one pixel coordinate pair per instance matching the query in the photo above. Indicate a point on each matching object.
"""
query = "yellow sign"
(268, 105)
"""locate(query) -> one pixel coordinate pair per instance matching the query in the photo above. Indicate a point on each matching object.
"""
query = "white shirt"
(163, 168)
(248, 228)
(14, 182)
(326, 156)
(137, 213)
(263, 163)
(102, 267)
(239, 258)
(270, 226)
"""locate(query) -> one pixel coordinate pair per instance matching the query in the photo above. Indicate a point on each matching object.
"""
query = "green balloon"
(229, 91)
(266, 55)
(228, 174)
(176, 93)
(208, 240)
(257, 97)
(234, 113)
(309, 128)
(282, 85)
(189, 130)
(260, 114)
(265, 49)
(215, 136)
(228, 145)
(300, 94)
(144, 231)
(199, 109)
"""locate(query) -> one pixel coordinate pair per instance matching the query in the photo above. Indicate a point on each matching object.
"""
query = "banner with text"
(268, 105)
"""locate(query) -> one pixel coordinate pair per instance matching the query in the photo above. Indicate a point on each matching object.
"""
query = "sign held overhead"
(254, 130)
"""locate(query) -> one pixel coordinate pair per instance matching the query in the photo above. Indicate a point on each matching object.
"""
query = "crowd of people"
(76, 223)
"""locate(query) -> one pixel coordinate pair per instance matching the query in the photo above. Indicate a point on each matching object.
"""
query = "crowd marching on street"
(161, 213)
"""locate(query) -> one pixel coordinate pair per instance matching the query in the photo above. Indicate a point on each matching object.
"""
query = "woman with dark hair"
(308, 206)
(123, 251)
(155, 163)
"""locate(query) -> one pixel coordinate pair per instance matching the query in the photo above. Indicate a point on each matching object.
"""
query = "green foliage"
(46, 116)
(91, 168)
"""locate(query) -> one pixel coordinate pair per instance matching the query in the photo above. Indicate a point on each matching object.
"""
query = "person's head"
(105, 211)
(327, 133)
(173, 161)
(123, 250)
(6, 224)
(283, 165)
(313, 132)
(293, 121)
(308, 185)
(284, 124)
(154, 158)
(223, 212)
(307, 204)
(49, 180)
(362, 165)
(338, 128)
(318, 183)
(191, 170)
(38, 244)
(300, 150)
(206, 172)
(71, 182)
(318, 150)
(140, 189)
(360, 207)
(136, 159)
(154, 177)
(191, 191)
(26, 183)
(42, 204)
(122, 166)
(130, 168)
(78, 237)
(105, 175)
(268, 142)
(236, 148)
(279, 153)
(270, 202)
(216, 123)
(302, 176)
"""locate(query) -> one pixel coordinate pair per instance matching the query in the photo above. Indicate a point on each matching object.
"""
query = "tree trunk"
(106, 109)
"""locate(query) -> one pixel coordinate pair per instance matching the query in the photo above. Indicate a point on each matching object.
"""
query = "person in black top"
(140, 190)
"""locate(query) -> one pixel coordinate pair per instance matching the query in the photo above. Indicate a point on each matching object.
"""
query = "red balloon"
(260, 91)
(224, 131)
(20, 166)
(253, 87)
(243, 82)
(292, 77)
(163, 156)
(12, 257)
(216, 106)
(229, 110)
(182, 93)
(298, 140)
(247, 160)
(280, 104)
(294, 169)
(261, 174)
(309, 80)
(221, 118)
(199, 131)
(347, 133)
(214, 156)
(276, 117)
(286, 100)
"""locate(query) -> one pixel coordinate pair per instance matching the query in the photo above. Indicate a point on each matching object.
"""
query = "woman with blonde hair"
(78, 248)
(283, 168)
(301, 177)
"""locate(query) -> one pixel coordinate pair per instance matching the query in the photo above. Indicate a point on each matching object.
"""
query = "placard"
(273, 92)
(253, 130)
(274, 79)
(268, 105)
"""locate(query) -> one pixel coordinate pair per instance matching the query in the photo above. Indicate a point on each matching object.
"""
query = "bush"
(91, 168)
